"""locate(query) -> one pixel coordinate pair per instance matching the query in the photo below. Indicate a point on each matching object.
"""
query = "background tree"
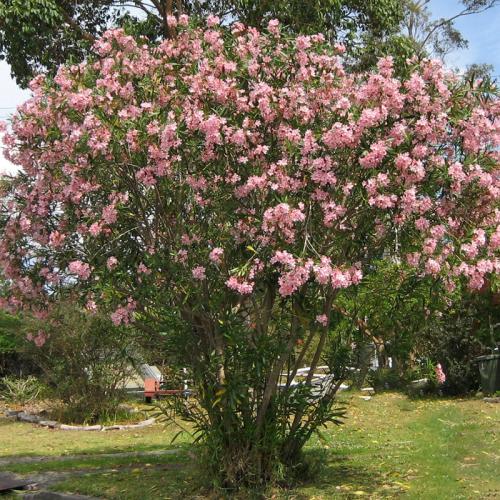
(39, 35)
(438, 36)
(417, 324)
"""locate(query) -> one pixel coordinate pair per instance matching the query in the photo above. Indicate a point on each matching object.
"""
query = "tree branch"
(85, 34)
(466, 12)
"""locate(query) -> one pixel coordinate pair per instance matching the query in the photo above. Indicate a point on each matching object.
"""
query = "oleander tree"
(223, 187)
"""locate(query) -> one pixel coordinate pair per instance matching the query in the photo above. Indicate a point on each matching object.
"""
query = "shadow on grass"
(332, 473)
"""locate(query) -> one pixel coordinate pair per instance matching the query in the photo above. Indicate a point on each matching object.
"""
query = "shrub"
(84, 359)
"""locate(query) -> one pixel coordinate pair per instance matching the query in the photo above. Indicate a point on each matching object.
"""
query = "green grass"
(21, 439)
(390, 447)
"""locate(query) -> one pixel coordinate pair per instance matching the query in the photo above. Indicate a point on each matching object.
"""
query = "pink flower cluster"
(39, 339)
(282, 219)
(123, 315)
(252, 152)
(440, 376)
(81, 269)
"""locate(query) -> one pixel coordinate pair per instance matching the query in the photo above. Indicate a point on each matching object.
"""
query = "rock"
(65, 427)
(9, 481)
(27, 417)
(419, 384)
(369, 390)
(49, 495)
(140, 425)
(366, 398)
(12, 413)
(112, 428)
(49, 423)
(492, 400)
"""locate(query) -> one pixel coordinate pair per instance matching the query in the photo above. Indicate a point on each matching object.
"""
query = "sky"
(482, 31)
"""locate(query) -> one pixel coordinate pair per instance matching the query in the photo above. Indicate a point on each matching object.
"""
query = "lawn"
(389, 447)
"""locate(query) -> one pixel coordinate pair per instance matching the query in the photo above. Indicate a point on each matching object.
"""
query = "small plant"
(20, 390)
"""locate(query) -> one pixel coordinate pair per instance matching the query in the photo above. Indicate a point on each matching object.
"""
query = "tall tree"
(224, 188)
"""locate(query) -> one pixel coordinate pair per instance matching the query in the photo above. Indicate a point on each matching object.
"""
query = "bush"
(84, 359)
(465, 331)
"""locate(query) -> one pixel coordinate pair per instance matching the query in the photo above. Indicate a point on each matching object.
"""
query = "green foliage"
(39, 35)
(467, 328)
(391, 309)
(418, 324)
(9, 325)
(42, 34)
(84, 360)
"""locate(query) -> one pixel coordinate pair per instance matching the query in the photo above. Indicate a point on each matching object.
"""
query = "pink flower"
(283, 257)
(120, 316)
(239, 285)
(440, 376)
(273, 26)
(81, 269)
(95, 229)
(40, 339)
(183, 20)
(322, 319)
(216, 255)
(282, 218)
(432, 267)
(56, 239)
(124, 314)
(377, 153)
(111, 263)
(143, 269)
(413, 259)
(91, 306)
(199, 273)
(212, 21)
(109, 214)
(292, 280)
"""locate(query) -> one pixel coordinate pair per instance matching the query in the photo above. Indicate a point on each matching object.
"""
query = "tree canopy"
(39, 35)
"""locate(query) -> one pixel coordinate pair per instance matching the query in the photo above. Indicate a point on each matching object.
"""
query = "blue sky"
(482, 31)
